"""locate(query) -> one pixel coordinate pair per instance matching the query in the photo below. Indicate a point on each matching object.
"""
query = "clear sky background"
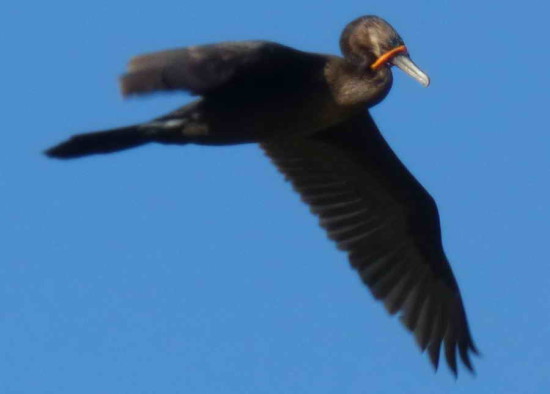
(198, 270)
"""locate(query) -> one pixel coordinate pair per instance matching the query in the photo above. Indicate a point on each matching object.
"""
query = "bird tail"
(101, 142)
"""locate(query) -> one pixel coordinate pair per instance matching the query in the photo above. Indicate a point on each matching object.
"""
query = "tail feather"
(100, 142)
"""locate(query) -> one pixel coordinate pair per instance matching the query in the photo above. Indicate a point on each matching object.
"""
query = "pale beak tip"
(426, 82)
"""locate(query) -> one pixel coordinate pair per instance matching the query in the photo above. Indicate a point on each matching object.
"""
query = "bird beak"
(406, 65)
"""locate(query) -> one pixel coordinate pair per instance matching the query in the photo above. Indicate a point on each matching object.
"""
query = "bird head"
(374, 44)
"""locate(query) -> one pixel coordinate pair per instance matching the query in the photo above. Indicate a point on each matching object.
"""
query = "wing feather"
(374, 209)
(217, 68)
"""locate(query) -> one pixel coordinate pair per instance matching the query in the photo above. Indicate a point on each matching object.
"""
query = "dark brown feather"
(372, 206)
(217, 68)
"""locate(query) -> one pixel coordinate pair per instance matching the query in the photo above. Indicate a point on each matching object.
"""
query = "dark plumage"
(309, 113)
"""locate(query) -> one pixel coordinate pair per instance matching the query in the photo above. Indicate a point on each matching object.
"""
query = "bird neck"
(356, 84)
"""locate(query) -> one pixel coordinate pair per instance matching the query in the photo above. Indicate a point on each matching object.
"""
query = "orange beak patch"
(386, 57)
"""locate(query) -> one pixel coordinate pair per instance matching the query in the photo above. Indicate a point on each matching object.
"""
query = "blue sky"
(198, 270)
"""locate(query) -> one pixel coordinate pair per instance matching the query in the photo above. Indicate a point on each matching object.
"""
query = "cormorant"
(309, 112)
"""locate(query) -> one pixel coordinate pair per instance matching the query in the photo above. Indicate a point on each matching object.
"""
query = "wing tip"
(62, 151)
(140, 82)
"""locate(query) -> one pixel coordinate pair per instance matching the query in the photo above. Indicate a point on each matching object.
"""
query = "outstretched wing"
(374, 209)
(217, 68)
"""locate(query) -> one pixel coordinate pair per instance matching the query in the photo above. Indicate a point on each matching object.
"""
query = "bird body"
(309, 113)
(289, 92)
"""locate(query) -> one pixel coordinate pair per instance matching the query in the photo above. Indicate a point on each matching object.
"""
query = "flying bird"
(309, 113)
